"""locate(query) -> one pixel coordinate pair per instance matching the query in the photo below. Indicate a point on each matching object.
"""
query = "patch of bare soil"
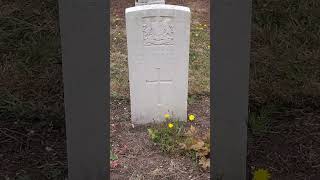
(291, 149)
(139, 158)
(35, 150)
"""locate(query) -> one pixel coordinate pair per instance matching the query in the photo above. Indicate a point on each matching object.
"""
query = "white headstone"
(158, 56)
(148, 2)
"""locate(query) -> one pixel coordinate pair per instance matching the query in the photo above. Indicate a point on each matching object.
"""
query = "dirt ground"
(139, 158)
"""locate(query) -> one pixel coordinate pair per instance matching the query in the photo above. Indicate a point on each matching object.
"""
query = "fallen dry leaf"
(204, 162)
(198, 145)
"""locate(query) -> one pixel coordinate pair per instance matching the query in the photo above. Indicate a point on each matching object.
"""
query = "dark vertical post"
(230, 79)
(85, 53)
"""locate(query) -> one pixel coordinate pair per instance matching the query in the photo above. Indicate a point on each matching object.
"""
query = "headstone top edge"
(157, 6)
(142, 4)
(145, 2)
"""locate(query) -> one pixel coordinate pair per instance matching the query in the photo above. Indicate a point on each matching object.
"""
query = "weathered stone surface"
(158, 56)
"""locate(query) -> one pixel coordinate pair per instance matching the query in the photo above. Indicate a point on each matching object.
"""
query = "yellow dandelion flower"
(170, 125)
(261, 174)
(167, 116)
(191, 117)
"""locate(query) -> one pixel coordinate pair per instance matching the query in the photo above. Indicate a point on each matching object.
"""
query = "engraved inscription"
(163, 54)
(164, 50)
(158, 30)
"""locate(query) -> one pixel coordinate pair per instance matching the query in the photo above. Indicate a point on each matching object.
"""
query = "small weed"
(113, 156)
(259, 121)
(261, 174)
(191, 99)
(166, 135)
(23, 177)
(27, 112)
(182, 137)
(56, 174)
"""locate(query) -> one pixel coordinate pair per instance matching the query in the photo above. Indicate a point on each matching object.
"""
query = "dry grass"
(285, 53)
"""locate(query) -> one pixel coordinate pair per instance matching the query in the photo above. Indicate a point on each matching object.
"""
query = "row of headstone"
(158, 38)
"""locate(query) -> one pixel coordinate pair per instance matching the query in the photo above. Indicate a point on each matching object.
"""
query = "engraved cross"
(158, 83)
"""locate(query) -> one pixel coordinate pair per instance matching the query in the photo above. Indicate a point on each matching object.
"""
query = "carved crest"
(158, 31)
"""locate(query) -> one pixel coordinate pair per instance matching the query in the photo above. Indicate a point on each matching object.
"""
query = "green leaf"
(113, 156)
(153, 134)
(150, 131)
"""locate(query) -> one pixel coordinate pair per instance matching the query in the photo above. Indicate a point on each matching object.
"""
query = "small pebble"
(48, 149)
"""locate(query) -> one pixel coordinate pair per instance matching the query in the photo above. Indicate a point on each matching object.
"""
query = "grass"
(259, 121)
(285, 53)
(199, 74)
(52, 174)
(113, 156)
(28, 112)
